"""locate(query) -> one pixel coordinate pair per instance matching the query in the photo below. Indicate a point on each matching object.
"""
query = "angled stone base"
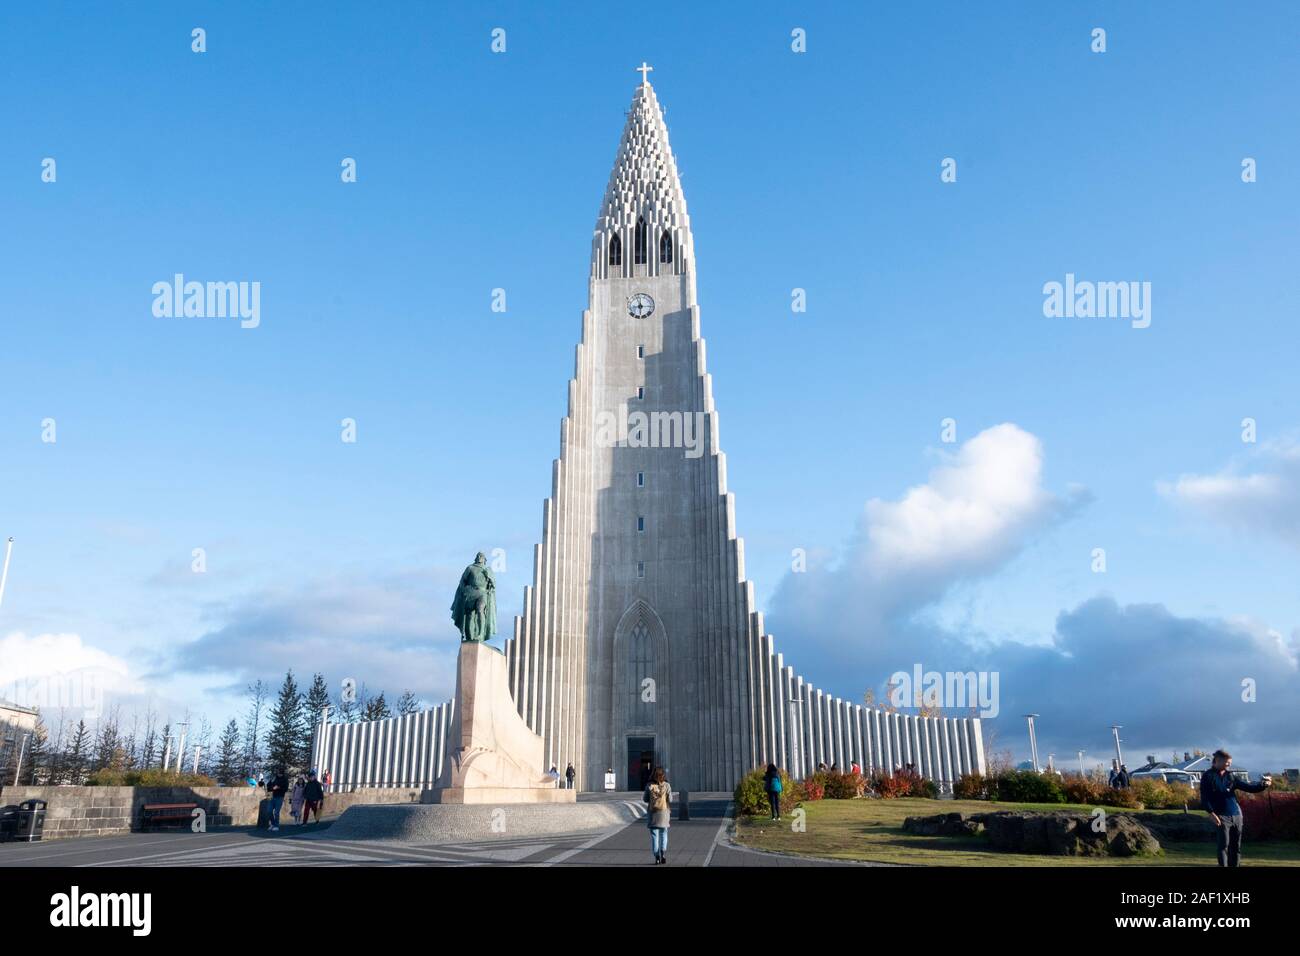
(463, 823)
(493, 757)
(498, 795)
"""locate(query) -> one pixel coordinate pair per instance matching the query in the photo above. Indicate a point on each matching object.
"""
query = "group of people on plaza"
(306, 796)
(567, 778)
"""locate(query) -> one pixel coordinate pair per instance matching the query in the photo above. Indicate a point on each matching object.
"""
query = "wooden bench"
(154, 813)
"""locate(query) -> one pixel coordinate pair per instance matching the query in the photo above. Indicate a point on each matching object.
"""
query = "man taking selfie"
(1217, 786)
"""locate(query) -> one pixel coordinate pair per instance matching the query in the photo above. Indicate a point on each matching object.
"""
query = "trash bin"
(31, 821)
(8, 822)
(264, 814)
(683, 805)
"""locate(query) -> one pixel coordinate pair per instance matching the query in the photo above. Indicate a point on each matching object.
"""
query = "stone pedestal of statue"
(492, 755)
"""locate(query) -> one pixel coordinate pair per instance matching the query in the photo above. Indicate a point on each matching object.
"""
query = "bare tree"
(202, 738)
(253, 728)
(55, 774)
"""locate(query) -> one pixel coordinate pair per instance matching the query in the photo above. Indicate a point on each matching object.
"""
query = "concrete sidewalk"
(699, 841)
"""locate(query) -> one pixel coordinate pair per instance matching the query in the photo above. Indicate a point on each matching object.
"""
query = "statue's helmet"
(480, 558)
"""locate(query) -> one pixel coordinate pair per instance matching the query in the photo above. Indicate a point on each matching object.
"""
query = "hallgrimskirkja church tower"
(639, 643)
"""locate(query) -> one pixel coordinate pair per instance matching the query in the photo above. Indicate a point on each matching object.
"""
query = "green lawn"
(873, 830)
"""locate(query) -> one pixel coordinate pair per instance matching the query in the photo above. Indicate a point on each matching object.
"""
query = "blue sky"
(818, 171)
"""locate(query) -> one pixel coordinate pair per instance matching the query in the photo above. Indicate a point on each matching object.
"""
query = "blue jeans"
(276, 804)
(658, 840)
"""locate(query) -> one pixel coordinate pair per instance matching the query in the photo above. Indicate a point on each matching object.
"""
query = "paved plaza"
(700, 841)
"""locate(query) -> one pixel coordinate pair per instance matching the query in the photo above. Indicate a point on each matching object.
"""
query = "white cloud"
(973, 511)
(1261, 493)
(390, 633)
(1172, 681)
(54, 671)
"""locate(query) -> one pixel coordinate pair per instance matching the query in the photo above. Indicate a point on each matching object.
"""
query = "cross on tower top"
(643, 69)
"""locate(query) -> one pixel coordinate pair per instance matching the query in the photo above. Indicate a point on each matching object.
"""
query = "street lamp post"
(180, 745)
(1119, 754)
(1033, 743)
(4, 575)
(795, 754)
(22, 751)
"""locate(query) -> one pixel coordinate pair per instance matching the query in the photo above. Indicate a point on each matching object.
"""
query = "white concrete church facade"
(639, 642)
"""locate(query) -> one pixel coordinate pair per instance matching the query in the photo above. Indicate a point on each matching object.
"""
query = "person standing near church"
(773, 787)
(658, 796)
(1217, 786)
(296, 798)
(277, 787)
(569, 774)
(313, 796)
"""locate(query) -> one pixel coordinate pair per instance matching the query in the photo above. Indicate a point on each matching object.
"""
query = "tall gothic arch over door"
(641, 686)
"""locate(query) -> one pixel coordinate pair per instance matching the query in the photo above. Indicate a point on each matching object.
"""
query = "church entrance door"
(640, 762)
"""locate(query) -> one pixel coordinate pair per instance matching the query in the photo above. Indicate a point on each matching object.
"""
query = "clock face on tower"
(640, 306)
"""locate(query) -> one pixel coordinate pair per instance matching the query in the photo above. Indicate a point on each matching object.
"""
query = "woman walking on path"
(658, 795)
(296, 799)
(772, 784)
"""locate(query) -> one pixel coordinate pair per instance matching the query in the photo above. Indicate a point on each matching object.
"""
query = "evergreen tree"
(227, 768)
(376, 708)
(163, 752)
(54, 766)
(108, 744)
(408, 703)
(130, 745)
(36, 767)
(11, 740)
(284, 740)
(77, 757)
(317, 699)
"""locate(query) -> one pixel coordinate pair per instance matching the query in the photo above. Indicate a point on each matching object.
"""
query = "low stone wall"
(112, 811)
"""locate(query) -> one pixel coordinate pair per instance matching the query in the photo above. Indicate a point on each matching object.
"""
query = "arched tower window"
(615, 251)
(641, 666)
(666, 247)
(639, 246)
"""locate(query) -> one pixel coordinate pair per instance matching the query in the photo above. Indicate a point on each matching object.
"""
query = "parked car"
(1168, 775)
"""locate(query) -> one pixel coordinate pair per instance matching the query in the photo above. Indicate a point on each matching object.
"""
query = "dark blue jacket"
(1216, 792)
